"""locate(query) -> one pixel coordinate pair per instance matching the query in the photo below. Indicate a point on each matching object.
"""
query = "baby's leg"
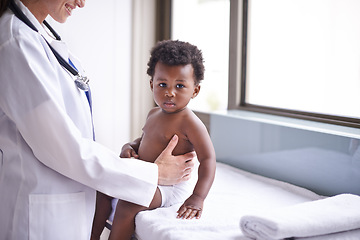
(102, 213)
(123, 226)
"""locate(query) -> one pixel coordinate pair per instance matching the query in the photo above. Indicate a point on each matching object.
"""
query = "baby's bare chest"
(157, 133)
(163, 130)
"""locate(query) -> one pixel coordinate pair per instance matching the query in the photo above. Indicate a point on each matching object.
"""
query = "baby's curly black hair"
(175, 52)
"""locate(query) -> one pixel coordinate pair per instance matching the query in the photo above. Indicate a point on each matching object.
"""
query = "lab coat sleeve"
(28, 96)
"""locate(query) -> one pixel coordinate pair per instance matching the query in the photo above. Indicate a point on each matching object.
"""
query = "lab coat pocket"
(57, 216)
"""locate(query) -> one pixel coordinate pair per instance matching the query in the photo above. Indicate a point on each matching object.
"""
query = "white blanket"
(234, 194)
(330, 215)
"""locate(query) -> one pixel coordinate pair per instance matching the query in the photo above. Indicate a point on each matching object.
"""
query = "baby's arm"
(131, 149)
(199, 137)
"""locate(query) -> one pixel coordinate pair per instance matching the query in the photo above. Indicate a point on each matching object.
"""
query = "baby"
(176, 69)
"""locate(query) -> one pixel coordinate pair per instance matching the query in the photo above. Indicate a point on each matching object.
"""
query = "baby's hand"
(127, 152)
(191, 208)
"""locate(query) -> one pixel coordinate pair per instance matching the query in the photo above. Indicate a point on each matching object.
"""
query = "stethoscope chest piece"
(82, 82)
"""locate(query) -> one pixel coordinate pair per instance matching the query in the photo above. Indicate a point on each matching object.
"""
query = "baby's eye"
(162, 84)
(180, 86)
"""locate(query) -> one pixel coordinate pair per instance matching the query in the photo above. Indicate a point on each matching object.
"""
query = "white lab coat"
(49, 164)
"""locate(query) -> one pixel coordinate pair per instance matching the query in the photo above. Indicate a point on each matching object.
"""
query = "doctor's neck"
(37, 8)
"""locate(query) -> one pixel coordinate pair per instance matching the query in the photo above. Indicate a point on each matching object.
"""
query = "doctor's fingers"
(188, 157)
(186, 176)
(170, 147)
(188, 168)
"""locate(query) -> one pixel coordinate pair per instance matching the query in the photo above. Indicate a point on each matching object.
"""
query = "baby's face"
(173, 86)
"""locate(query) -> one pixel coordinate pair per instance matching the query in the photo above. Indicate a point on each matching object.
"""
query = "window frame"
(237, 74)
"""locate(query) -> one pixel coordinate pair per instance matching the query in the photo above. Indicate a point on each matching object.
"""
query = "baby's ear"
(151, 85)
(196, 91)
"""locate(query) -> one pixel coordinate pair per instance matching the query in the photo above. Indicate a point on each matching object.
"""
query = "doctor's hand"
(174, 169)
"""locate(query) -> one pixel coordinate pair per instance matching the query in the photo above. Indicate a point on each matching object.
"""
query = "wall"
(321, 157)
(144, 15)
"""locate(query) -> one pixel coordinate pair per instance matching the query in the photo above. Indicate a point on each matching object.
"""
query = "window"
(205, 23)
(298, 58)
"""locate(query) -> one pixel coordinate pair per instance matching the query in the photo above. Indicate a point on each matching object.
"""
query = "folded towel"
(328, 215)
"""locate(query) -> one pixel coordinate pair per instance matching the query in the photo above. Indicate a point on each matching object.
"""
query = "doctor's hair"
(174, 53)
(4, 4)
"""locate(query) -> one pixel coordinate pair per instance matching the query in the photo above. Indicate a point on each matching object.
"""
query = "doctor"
(50, 166)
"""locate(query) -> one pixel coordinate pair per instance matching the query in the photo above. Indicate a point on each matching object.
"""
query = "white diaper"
(178, 193)
(171, 195)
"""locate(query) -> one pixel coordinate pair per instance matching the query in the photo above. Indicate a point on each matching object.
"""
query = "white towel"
(328, 215)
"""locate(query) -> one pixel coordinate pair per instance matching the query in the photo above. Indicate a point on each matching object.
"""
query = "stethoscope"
(82, 82)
